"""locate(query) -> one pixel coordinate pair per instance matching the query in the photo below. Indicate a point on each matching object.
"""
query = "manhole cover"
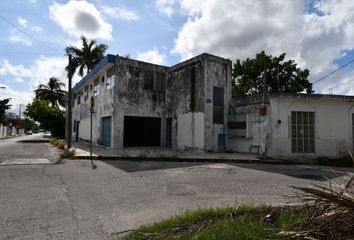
(26, 161)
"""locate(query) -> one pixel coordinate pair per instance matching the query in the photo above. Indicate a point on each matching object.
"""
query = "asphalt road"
(71, 201)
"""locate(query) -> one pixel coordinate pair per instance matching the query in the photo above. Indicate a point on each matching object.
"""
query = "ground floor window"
(302, 132)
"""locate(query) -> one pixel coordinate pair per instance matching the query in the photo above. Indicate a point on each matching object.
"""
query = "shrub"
(54, 141)
(61, 145)
(68, 153)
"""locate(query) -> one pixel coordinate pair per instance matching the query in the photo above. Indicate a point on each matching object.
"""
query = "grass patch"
(236, 223)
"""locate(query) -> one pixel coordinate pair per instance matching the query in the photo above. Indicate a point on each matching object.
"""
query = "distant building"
(292, 125)
(141, 104)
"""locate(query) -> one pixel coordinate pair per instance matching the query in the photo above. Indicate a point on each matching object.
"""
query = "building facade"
(141, 104)
(292, 125)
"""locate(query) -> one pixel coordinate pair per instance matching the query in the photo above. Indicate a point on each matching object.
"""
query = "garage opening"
(141, 131)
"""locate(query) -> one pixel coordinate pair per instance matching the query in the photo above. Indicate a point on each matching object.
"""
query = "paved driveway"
(71, 201)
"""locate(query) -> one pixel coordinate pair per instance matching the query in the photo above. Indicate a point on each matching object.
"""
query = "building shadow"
(139, 165)
(317, 173)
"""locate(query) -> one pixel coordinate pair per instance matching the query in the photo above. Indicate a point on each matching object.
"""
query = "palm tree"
(52, 92)
(86, 57)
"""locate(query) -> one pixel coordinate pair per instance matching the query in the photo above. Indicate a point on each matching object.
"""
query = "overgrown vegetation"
(68, 153)
(242, 222)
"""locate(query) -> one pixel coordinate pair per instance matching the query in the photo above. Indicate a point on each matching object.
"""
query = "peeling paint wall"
(131, 99)
(256, 140)
(185, 96)
(217, 73)
(190, 131)
(103, 108)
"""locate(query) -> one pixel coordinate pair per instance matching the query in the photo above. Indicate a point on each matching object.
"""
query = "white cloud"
(240, 29)
(15, 70)
(17, 97)
(119, 13)
(80, 18)
(23, 22)
(18, 37)
(18, 80)
(166, 6)
(152, 56)
(38, 73)
(36, 29)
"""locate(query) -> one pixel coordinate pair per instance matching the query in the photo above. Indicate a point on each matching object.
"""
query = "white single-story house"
(292, 125)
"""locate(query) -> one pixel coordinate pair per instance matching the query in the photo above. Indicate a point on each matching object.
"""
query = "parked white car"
(47, 135)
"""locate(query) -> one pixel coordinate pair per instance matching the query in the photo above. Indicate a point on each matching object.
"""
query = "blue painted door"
(221, 140)
(106, 131)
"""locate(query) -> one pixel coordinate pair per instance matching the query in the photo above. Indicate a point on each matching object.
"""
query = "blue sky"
(319, 35)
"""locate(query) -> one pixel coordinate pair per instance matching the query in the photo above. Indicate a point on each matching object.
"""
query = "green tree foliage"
(86, 57)
(52, 92)
(51, 118)
(4, 105)
(280, 76)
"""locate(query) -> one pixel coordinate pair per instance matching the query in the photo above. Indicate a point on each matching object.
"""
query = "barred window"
(303, 132)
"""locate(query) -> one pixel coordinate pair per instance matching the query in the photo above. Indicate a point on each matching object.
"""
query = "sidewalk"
(162, 154)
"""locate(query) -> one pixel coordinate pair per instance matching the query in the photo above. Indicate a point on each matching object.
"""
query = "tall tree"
(278, 75)
(4, 105)
(52, 92)
(51, 118)
(85, 57)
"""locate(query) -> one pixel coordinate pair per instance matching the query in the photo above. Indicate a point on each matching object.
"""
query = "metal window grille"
(303, 132)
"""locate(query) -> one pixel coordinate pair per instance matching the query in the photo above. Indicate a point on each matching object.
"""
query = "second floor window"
(110, 78)
(148, 80)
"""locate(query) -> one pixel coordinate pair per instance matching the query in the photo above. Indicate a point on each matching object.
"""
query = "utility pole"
(18, 120)
(69, 113)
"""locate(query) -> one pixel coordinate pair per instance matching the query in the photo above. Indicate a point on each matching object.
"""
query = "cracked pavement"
(71, 201)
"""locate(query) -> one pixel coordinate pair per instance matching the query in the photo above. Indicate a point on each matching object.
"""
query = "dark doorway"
(169, 132)
(141, 131)
(77, 131)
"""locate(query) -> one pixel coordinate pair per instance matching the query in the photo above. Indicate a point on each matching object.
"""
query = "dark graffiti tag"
(128, 94)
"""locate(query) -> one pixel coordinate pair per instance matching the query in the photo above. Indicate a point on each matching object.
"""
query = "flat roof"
(109, 58)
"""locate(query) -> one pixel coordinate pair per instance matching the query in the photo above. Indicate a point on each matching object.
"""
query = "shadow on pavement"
(34, 141)
(317, 173)
(137, 166)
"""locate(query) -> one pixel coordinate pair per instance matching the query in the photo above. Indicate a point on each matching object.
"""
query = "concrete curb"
(180, 159)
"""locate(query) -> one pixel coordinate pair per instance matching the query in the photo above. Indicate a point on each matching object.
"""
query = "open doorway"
(142, 131)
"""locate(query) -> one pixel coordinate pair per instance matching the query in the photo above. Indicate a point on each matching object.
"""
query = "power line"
(27, 53)
(27, 34)
(338, 85)
(329, 74)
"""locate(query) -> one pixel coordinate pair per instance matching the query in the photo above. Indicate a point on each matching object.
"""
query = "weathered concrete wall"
(103, 107)
(257, 130)
(185, 103)
(190, 131)
(132, 100)
(217, 73)
(333, 125)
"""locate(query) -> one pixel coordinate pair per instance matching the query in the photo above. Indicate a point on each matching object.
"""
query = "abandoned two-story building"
(141, 104)
(189, 106)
